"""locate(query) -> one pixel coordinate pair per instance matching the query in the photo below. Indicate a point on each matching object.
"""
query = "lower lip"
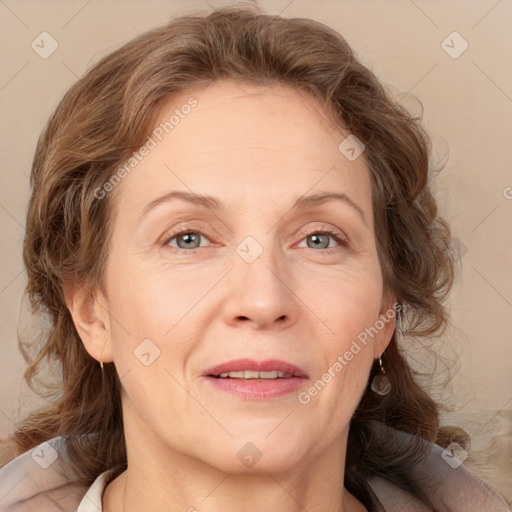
(260, 389)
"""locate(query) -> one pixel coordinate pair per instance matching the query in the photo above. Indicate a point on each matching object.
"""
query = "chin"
(257, 454)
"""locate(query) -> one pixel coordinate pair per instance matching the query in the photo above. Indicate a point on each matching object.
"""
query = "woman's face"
(254, 275)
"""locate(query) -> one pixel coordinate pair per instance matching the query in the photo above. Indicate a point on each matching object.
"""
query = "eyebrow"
(211, 203)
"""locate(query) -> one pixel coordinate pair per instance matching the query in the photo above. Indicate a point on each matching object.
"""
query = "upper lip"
(261, 366)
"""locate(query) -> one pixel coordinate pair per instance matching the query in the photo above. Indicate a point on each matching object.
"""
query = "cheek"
(348, 301)
(156, 319)
(349, 306)
(152, 302)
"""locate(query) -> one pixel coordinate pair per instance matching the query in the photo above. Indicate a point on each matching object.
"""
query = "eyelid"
(343, 242)
(328, 230)
(185, 228)
(339, 236)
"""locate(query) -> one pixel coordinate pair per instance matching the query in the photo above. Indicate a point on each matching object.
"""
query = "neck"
(159, 478)
(210, 490)
(127, 493)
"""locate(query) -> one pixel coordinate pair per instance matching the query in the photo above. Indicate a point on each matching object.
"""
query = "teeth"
(268, 375)
(251, 374)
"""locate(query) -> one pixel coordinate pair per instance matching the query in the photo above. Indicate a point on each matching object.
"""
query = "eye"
(185, 238)
(320, 239)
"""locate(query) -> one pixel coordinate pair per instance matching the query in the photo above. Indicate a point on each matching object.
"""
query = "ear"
(90, 313)
(387, 322)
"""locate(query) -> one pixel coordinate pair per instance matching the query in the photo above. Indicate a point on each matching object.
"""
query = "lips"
(256, 380)
(283, 369)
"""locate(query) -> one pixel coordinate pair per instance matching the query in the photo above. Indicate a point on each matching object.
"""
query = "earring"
(101, 358)
(380, 383)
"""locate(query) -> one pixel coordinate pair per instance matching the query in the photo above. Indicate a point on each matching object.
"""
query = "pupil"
(317, 238)
(189, 237)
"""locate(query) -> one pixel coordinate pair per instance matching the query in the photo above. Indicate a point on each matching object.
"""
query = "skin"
(256, 149)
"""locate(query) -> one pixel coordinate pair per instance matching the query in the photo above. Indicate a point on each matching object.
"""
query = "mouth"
(257, 379)
(252, 369)
(253, 375)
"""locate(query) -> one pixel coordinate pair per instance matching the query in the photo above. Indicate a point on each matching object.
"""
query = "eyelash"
(338, 237)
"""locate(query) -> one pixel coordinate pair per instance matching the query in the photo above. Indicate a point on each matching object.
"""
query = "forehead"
(240, 141)
(274, 114)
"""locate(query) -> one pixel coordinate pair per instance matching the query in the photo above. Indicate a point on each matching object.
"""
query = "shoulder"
(91, 502)
(443, 480)
(41, 480)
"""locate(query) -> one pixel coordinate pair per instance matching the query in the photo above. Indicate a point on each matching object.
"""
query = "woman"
(261, 365)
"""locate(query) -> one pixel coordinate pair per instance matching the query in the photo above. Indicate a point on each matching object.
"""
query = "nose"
(260, 293)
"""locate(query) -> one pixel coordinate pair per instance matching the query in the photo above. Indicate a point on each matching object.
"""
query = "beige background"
(467, 109)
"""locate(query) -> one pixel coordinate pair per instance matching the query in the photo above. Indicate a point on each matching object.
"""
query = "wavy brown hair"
(109, 113)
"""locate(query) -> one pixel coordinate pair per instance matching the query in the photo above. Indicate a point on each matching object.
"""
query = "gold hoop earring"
(380, 383)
